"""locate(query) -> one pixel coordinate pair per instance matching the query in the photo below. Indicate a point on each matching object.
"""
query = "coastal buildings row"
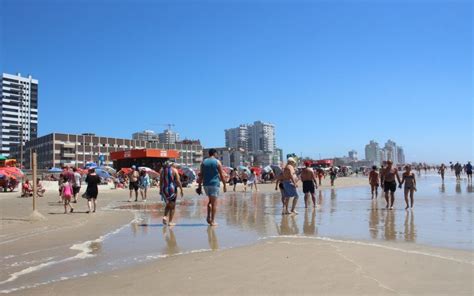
(166, 137)
(253, 144)
(377, 154)
(59, 149)
(18, 111)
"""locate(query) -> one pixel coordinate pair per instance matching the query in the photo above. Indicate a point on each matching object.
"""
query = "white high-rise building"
(391, 151)
(401, 155)
(146, 135)
(168, 137)
(18, 111)
(372, 152)
(262, 137)
(353, 155)
(237, 138)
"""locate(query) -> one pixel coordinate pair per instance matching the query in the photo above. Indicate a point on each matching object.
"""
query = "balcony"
(68, 155)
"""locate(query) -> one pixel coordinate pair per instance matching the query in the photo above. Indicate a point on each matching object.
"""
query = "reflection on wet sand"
(170, 239)
(212, 238)
(389, 225)
(410, 232)
(309, 225)
(442, 189)
(374, 220)
(288, 225)
(458, 187)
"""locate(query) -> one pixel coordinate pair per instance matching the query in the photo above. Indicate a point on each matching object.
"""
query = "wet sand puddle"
(442, 218)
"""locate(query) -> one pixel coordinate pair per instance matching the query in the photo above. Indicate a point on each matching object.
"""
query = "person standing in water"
(309, 184)
(244, 177)
(390, 184)
(409, 179)
(211, 177)
(469, 172)
(290, 185)
(374, 181)
(169, 182)
(332, 175)
(457, 171)
(441, 171)
(234, 177)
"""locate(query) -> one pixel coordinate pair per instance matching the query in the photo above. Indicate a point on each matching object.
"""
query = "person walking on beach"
(76, 186)
(234, 176)
(253, 180)
(457, 171)
(211, 177)
(441, 171)
(169, 182)
(390, 184)
(290, 185)
(92, 190)
(332, 175)
(409, 179)
(244, 177)
(469, 172)
(374, 181)
(144, 184)
(66, 194)
(320, 175)
(309, 184)
(133, 186)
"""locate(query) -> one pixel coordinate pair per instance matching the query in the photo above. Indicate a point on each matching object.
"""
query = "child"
(374, 181)
(410, 185)
(66, 194)
(40, 189)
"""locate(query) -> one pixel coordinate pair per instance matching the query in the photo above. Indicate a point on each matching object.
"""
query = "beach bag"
(85, 195)
(67, 191)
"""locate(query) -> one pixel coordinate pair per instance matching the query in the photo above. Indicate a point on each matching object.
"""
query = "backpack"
(67, 190)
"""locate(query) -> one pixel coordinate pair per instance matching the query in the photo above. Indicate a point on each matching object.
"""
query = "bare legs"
(374, 189)
(313, 198)
(390, 199)
(92, 204)
(67, 202)
(169, 213)
(409, 192)
(211, 211)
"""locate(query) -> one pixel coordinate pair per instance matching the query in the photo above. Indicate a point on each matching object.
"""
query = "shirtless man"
(469, 172)
(309, 184)
(289, 186)
(390, 185)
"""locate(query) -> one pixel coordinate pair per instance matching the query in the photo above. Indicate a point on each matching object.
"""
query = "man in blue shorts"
(211, 176)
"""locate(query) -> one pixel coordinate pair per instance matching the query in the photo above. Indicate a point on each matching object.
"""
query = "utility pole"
(21, 126)
(35, 215)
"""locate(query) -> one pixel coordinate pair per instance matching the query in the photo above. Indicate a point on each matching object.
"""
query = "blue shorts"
(289, 190)
(212, 190)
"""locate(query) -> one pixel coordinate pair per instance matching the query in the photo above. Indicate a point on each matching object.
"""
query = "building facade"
(237, 138)
(372, 152)
(58, 149)
(168, 137)
(146, 135)
(18, 111)
(353, 155)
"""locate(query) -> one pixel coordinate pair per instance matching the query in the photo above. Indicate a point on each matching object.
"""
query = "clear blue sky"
(330, 75)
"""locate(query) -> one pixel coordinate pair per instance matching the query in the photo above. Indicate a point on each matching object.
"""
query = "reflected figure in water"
(170, 239)
(389, 226)
(374, 220)
(333, 200)
(288, 225)
(212, 238)
(320, 198)
(410, 232)
(442, 189)
(458, 187)
(309, 227)
(469, 188)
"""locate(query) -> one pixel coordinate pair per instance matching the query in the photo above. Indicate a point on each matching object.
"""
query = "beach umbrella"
(14, 171)
(2, 157)
(267, 169)
(125, 171)
(227, 170)
(276, 169)
(244, 168)
(90, 165)
(189, 172)
(103, 174)
(55, 170)
(108, 169)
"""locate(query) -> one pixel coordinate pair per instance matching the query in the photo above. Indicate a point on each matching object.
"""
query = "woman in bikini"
(409, 179)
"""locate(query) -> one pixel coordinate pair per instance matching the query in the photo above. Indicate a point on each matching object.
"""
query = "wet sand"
(103, 253)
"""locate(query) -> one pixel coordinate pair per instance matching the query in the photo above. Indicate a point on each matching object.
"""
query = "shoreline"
(86, 228)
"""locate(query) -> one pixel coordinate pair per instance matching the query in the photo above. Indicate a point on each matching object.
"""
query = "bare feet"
(171, 224)
(214, 223)
(391, 208)
(294, 212)
(165, 220)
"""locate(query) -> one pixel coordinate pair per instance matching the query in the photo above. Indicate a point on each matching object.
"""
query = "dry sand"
(280, 266)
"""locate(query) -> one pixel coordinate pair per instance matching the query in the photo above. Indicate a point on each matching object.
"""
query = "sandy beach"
(275, 265)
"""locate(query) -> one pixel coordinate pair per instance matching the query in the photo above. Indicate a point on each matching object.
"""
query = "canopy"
(267, 169)
(101, 173)
(108, 169)
(55, 170)
(14, 171)
(2, 157)
(150, 172)
(244, 168)
(125, 171)
(276, 169)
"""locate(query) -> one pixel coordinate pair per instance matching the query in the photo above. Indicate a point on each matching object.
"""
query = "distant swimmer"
(309, 183)
(290, 185)
(441, 171)
(469, 171)
(410, 185)
(374, 181)
(390, 184)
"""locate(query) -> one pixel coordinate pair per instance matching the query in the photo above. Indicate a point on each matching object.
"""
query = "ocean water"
(442, 217)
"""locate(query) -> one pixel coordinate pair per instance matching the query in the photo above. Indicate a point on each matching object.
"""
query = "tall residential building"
(237, 138)
(401, 155)
(18, 111)
(391, 151)
(168, 137)
(372, 152)
(262, 137)
(146, 135)
(353, 155)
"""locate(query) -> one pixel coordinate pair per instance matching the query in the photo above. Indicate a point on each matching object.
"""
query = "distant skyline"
(331, 75)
